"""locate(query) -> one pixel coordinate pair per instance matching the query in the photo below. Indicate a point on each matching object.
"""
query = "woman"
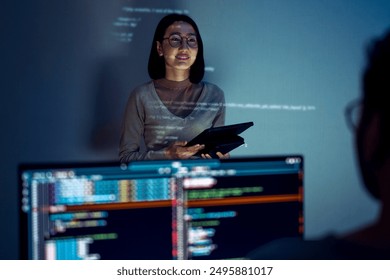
(163, 114)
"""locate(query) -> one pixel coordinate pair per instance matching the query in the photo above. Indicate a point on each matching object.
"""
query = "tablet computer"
(220, 139)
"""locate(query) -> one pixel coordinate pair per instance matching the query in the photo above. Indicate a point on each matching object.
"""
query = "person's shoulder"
(213, 92)
(212, 87)
(141, 91)
(327, 248)
(142, 87)
(296, 248)
(139, 94)
(288, 248)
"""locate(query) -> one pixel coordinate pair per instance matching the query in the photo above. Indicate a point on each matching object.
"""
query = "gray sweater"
(148, 126)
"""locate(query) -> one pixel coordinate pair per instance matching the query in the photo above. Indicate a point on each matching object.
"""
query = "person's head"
(162, 49)
(373, 133)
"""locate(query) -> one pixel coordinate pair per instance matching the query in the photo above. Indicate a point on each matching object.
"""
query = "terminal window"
(187, 209)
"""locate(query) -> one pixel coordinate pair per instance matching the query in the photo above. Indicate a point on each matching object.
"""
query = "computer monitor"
(168, 209)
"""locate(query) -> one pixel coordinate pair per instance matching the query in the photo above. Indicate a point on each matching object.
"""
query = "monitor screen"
(179, 209)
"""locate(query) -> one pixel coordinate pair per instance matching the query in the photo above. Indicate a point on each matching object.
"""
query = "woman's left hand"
(219, 154)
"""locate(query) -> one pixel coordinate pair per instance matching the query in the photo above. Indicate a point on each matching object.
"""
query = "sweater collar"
(173, 84)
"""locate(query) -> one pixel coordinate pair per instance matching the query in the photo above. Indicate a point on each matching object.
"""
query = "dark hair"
(376, 88)
(375, 79)
(156, 65)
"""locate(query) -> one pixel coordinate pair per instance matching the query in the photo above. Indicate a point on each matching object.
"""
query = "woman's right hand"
(178, 150)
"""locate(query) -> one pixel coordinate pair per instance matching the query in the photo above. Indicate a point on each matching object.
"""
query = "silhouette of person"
(370, 119)
(163, 114)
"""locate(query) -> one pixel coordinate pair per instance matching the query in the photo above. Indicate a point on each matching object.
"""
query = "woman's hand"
(219, 154)
(178, 150)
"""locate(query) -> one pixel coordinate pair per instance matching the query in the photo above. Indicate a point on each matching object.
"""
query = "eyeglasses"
(353, 113)
(176, 41)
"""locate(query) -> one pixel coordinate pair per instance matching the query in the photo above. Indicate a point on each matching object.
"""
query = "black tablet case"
(220, 139)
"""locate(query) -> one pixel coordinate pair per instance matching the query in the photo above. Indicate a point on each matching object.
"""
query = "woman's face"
(182, 55)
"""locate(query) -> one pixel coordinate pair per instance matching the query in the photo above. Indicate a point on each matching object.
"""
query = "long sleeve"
(132, 144)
